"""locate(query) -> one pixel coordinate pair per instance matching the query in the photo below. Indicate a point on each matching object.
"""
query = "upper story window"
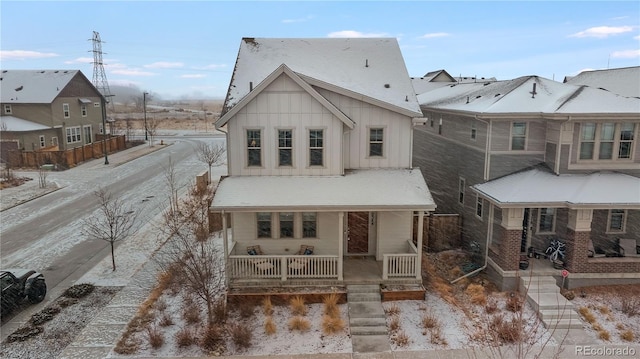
(73, 134)
(285, 148)
(264, 224)
(65, 110)
(606, 141)
(375, 142)
(617, 220)
(547, 220)
(461, 188)
(254, 148)
(7, 109)
(518, 136)
(474, 131)
(43, 143)
(83, 110)
(316, 148)
(479, 205)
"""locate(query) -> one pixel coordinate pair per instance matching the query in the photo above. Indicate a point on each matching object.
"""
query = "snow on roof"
(33, 86)
(372, 67)
(517, 96)
(600, 190)
(383, 189)
(622, 81)
(16, 124)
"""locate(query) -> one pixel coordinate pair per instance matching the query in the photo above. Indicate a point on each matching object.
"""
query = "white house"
(319, 136)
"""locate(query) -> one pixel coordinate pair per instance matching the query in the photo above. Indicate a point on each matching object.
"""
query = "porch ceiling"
(380, 189)
(538, 188)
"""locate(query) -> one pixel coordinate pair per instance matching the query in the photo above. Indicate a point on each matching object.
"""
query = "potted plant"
(524, 263)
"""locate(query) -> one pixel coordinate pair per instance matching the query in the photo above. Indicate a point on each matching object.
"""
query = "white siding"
(394, 229)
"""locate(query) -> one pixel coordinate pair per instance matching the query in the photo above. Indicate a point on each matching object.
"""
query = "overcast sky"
(188, 48)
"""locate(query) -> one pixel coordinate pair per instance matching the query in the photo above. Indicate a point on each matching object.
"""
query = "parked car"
(18, 284)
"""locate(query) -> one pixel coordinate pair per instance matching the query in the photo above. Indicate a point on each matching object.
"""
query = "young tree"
(152, 129)
(114, 224)
(212, 155)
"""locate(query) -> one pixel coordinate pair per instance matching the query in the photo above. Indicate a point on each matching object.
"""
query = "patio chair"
(628, 247)
(591, 251)
(297, 264)
(261, 264)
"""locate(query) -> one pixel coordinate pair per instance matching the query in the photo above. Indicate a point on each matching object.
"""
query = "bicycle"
(555, 251)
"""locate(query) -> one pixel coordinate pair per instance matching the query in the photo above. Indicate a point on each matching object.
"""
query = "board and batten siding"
(245, 233)
(285, 105)
(394, 230)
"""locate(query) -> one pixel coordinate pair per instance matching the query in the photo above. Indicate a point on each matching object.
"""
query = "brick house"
(530, 160)
(320, 183)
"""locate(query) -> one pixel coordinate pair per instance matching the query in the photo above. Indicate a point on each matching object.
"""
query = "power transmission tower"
(99, 76)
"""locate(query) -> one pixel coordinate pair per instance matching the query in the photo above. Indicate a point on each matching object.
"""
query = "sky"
(187, 49)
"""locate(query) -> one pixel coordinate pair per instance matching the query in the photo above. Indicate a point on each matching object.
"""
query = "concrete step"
(366, 310)
(533, 284)
(543, 301)
(363, 297)
(368, 288)
(367, 322)
(377, 330)
(563, 324)
(550, 314)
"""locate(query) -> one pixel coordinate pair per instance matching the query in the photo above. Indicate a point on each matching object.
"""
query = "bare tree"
(113, 225)
(152, 129)
(212, 155)
(190, 248)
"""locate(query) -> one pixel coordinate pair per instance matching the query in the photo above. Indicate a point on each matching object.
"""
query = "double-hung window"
(479, 203)
(474, 130)
(43, 143)
(285, 147)
(264, 224)
(375, 142)
(73, 134)
(617, 219)
(83, 110)
(316, 148)
(309, 225)
(547, 220)
(65, 110)
(626, 140)
(286, 225)
(7, 109)
(518, 136)
(254, 148)
(606, 141)
(461, 188)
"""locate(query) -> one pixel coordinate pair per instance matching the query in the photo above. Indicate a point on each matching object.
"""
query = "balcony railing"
(401, 265)
(283, 267)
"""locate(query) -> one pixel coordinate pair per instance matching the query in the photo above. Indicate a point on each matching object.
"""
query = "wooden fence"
(68, 158)
(440, 232)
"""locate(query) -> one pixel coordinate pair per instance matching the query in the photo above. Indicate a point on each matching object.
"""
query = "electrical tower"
(99, 76)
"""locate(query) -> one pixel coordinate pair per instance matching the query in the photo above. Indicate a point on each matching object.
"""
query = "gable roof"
(517, 96)
(34, 86)
(16, 124)
(623, 81)
(371, 69)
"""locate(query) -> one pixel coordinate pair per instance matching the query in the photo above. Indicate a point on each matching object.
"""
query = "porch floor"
(362, 269)
(540, 267)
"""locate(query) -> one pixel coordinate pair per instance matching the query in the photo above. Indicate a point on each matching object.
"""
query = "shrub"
(220, 312)
(213, 338)
(476, 294)
(166, 320)
(491, 306)
(241, 335)
(393, 309)
(604, 309)
(297, 306)
(430, 321)
(64, 302)
(45, 315)
(435, 336)
(269, 326)
(587, 315)
(160, 305)
(506, 331)
(627, 335)
(394, 324)
(630, 306)
(514, 302)
(191, 313)
(569, 294)
(185, 337)
(79, 290)
(299, 323)
(604, 335)
(332, 325)
(401, 339)
(246, 309)
(267, 306)
(155, 336)
(331, 305)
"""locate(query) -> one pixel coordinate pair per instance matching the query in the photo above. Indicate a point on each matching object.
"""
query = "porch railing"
(401, 265)
(283, 267)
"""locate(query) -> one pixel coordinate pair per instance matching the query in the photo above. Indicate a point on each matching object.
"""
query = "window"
(254, 148)
(461, 188)
(606, 141)
(285, 147)
(479, 203)
(474, 131)
(73, 134)
(54, 141)
(440, 127)
(7, 109)
(83, 110)
(309, 225)
(264, 225)
(87, 134)
(375, 142)
(316, 148)
(43, 143)
(65, 110)
(547, 220)
(617, 220)
(286, 225)
(518, 135)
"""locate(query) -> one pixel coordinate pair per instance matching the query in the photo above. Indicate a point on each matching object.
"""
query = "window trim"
(525, 136)
(381, 142)
(462, 184)
(66, 111)
(290, 148)
(71, 137)
(257, 221)
(88, 137)
(83, 110)
(43, 141)
(302, 221)
(7, 109)
(623, 221)
(553, 223)
(309, 148)
(474, 131)
(293, 225)
(260, 147)
(597, 142)
(479, 205)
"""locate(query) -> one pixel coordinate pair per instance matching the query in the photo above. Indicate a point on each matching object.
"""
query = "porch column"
(225, 242)
(509, 248)
(419, 259)
(577, 240)
(340, 244)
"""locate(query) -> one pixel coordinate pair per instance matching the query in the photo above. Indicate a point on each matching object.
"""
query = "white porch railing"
(283, 267)
(401, 265)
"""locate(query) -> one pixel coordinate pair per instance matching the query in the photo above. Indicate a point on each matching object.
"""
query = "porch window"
(316, 148)
(479, 203)
(606, 141)
(375, 142)
(309, 225)
(254, 148)
(518, 136)
(285, 147)
(617, 220)
(547, 220)
(65, 110)
(264, 224)
(461, 187)
(286, 225)
(7, 109)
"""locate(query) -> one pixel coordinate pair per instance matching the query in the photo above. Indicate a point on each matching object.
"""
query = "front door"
(357, 233)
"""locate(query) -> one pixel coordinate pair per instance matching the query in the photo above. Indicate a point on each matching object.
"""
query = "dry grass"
(393, 309)
(267, 306)
(246, 309)
(299, 323)
(604, 310)
(220, 312)
(587, 315)
(514, 302)
(491, 306)
(394, 324)
(213, 338)
(604, 335)
(185, 337)
(155, 337)
(166, 320)
(430, 321)
(241, 335)
(436, 337)
(160, 305)
(269, 326)
(401, 339)
(630, 306)
(476, 294)
(297, 306)
(506, 331)
(191, 313)
(331, 305)
(627, 335)
(332, 325)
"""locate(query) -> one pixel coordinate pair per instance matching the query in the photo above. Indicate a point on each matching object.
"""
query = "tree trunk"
(113, 257)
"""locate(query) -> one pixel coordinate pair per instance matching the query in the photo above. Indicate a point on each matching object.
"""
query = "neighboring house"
(48, 109)
(528, 160)
(319, 138)
(623, 81)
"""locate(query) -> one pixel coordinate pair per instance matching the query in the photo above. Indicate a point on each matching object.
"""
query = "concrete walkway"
(367, 321)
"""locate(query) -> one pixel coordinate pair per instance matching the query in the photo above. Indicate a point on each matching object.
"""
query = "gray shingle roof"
(33, 86)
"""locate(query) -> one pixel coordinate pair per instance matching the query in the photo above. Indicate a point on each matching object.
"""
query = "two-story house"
(49, 109)
(320, 180)
(530, 160)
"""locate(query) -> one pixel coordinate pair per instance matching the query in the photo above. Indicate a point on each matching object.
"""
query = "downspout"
(225, 241)
(487, 148)
(486, 247)
(556, 167)
(226, 140)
